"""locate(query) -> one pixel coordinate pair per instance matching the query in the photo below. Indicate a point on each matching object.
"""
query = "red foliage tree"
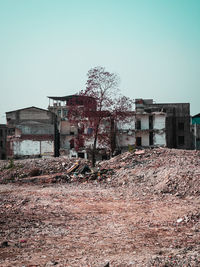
(101, 105)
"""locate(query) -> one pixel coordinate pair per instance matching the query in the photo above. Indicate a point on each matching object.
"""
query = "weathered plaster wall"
(160, 139)
(159, 121)
(145, 139)
(124, 139)
(32, 148)
(144, 118)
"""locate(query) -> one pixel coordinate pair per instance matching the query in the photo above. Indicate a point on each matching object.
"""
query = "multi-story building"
(177, 123)
(70, 132)
(31, 132)
(156, 125)
(150, 125)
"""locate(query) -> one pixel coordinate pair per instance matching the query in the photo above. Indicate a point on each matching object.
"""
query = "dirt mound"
(157, 171)
(150, 171)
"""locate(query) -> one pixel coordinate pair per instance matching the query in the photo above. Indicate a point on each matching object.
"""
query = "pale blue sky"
(47, 47)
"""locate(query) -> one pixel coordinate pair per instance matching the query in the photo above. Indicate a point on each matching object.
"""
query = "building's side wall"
(160, 139)
(32, 147)
(145, 139)
(159, 121)
(177, 113)
(33, 134)
(26, 147)
(28, 115)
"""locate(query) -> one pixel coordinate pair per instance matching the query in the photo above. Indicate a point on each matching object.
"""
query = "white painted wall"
(159, 121)
(31, 148)
(144, 118)
(26, 147)
(124, 139)
(129, 124)
(47, 147)
(145, 139)
(160, 139)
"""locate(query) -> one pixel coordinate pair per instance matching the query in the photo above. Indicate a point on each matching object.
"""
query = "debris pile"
(139, 208)
(162, 170)
(159, 171)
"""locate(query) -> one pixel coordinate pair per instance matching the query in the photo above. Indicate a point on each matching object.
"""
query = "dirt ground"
(143, 210)
(90, 225)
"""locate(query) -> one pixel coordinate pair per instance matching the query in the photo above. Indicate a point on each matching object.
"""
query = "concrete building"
(31, 132)
(150, 125)
(177, 121)
(142, 130)
(3, 135)
(70, 133)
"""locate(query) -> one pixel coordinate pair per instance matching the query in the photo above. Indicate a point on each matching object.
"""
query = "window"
(89, 131)
(59, 113)
(71, 133)
(65, 112)
(1, 132)
(81, 155)
(138, 125)
(1, 143)
(180, 140)
(151, 139)
(181, 125)
(71, 143)
(150, 122)
(138, 141)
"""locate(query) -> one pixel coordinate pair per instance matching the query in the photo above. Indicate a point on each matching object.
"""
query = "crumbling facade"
(72, 142)
(3, 135)
(177, 121)
(31, 132)
(142, 130)
(150, 125)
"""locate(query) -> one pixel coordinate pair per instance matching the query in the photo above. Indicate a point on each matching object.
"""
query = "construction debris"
(139, 208)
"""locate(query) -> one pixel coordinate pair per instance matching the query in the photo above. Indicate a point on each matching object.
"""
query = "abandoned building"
(149, 125)
(35, 132)
(173, 120)
(195, 129)
(31, 132)
(3, 135)
(142, 130)
(69, 132)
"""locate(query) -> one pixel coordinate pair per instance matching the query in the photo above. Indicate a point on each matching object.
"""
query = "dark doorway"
(81, 155)
(151, 138)
(138, 141)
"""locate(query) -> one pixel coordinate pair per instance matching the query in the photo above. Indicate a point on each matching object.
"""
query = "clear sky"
(47, 47)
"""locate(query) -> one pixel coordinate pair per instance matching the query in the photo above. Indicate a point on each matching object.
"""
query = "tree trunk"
(94, 147)
(112, 136)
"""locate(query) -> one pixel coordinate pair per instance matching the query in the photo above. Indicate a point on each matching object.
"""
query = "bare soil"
(95, 223)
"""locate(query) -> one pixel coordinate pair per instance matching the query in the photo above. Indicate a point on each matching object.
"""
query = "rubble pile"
(47, 169)
(158, 170)
(139, 208)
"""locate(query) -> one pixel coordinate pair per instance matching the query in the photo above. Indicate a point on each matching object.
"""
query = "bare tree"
(102, 107)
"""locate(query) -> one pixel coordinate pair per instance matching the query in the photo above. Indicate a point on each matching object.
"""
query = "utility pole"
(56, 138)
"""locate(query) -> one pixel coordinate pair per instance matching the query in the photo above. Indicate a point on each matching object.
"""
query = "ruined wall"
(160, 139)
(32, 147)
(177, 123)
(145, 138)
(159, 121)
(34, 132)
(31, 114)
